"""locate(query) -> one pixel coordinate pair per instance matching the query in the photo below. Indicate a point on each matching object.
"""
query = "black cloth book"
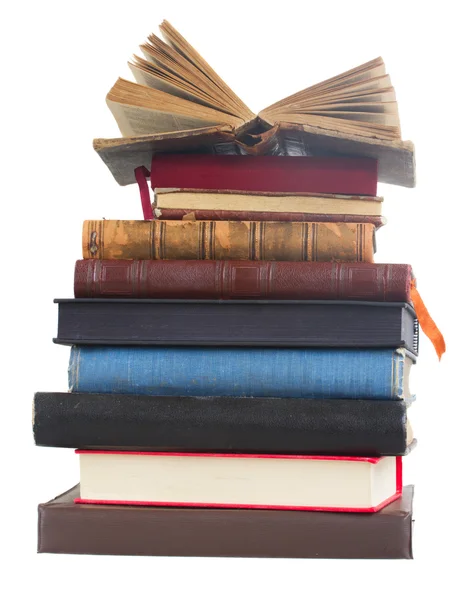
(324, 324)
(217, 424)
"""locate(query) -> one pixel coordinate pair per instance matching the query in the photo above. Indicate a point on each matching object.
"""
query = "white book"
(240, 480)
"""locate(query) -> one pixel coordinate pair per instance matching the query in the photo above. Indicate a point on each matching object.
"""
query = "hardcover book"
(267, 174)
(231, 240)
(222, 424)
(288, 482)
(239, 280)
(278, 203)
(179, 103)
(379, 374)
(274, 323)
(65, 527)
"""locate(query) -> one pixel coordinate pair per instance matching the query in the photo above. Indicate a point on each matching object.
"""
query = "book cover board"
(242, 280)
(222, 424)
(324, 324)
(65, 527)
(316, 373)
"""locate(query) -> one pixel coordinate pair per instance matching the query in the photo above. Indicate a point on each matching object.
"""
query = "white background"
(59, 60)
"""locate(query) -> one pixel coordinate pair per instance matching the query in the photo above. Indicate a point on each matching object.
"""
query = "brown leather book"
(242, 280)
(236, 240)
(68, 528)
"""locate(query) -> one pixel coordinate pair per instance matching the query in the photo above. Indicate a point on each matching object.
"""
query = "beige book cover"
(327, 204)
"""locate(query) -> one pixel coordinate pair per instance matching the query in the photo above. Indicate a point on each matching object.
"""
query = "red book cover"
(291, 174)
(239, 280)
(186, 467)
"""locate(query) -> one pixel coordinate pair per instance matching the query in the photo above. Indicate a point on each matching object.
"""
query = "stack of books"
(239, 369)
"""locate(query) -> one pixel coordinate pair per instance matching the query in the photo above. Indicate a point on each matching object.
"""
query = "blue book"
(260, 372)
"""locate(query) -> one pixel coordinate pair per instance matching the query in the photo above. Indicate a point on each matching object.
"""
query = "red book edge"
(370, 509)
(371, 459)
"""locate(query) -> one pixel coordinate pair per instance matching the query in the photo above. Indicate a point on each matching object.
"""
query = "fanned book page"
(177, 90)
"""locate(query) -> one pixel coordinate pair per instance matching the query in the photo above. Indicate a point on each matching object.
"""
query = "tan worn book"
(228, 240)
(177, 89)
(327, 204)
(179, 102)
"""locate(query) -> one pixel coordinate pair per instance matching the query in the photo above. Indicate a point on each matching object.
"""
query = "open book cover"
(180, 104)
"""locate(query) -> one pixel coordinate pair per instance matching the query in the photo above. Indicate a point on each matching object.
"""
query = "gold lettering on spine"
(258, 241)
(207, 240)
(308, 241)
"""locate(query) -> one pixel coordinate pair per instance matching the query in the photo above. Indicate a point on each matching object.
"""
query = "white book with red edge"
(283, 482)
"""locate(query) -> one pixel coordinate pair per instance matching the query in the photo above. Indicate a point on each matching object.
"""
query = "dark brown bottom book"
(68, 528)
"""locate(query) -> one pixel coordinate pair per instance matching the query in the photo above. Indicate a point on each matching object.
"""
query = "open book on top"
(179, 103)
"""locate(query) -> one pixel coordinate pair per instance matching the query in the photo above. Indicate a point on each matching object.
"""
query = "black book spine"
(231, 323)
(217, 424)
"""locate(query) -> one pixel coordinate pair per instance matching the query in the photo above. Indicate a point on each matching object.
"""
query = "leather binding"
(221, 424)
(231, 240)
(179, 214)
(293, 174)
(68, 528)
(310, 323)
(238, 280)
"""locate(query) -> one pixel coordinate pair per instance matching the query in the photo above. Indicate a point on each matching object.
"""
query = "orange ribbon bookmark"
(426, 322)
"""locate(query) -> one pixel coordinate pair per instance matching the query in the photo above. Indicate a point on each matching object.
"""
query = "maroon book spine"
(238, 280)
(294, 174)
(179, 214)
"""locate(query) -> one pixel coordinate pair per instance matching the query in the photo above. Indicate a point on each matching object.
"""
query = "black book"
(323, 324)
(220, 424)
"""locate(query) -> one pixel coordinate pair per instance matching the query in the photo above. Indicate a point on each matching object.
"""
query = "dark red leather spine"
(236, 280)
(295, 174)
(178, 214)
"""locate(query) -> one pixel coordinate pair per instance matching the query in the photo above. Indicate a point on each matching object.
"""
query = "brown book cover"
(231, 240)
(239, 280)
(68, 528)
